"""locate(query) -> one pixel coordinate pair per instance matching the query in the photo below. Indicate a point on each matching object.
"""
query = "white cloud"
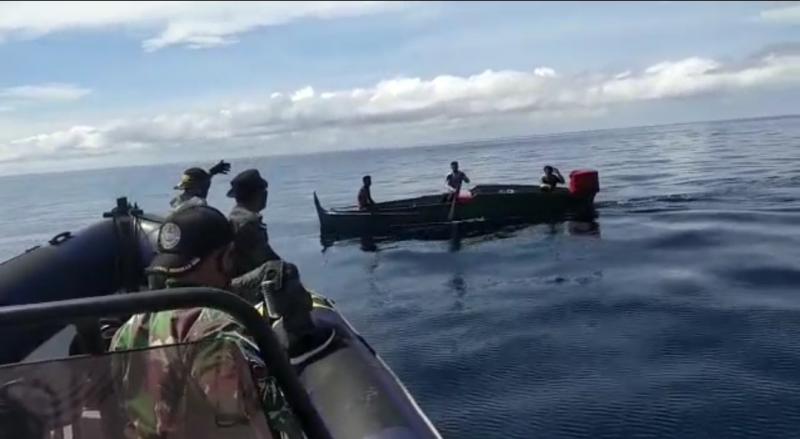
(544, 72)
(190, 24)
(405, 105)
(785, 15)
(303, 93)
(44, 92)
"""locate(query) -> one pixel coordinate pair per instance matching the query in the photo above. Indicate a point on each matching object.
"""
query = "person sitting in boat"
(456, 178)
(195, 183)
(195, 248)
(293, 302)
(551, 178)
(365, 201)
(250, 191)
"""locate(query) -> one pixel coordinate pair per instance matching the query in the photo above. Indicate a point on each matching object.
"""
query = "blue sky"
(88, 85)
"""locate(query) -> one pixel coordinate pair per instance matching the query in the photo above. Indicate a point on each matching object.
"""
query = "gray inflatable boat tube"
(355, 392)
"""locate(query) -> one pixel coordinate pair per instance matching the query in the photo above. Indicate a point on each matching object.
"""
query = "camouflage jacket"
(195, 354)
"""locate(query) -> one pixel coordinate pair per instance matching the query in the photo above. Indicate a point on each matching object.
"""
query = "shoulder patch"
(170, 236)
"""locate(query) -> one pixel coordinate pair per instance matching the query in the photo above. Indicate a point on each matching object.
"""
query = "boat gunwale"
(383, 211)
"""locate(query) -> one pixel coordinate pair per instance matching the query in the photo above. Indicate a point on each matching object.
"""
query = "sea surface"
(676, 315)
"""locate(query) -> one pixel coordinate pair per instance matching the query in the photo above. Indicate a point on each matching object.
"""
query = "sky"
(94, 84)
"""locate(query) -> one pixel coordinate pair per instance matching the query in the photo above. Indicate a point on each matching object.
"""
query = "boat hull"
(354, 391)
(489, 205)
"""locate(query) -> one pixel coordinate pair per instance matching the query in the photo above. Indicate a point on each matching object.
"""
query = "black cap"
(247, 181)
(187, 236)
(192, 177)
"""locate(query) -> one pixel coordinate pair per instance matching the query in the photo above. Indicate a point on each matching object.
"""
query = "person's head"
(548, 170)
(195, 181)
(454, 166)
(250, 190)
(367, 180)
(195, 245)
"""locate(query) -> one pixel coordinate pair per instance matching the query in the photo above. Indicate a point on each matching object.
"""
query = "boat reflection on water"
(584, 228)
(367, 244)
(454, 233)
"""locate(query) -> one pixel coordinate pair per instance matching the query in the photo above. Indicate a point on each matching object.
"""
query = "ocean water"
(676, 315)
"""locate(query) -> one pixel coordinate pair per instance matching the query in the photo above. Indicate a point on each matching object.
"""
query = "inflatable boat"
(95, 276)
(484, 206)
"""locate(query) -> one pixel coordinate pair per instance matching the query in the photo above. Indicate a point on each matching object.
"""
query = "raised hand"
(220, 168)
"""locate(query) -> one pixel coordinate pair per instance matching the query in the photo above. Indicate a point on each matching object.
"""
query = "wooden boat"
(489, 205)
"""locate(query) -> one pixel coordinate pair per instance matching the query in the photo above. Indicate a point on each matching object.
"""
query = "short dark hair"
(454, 163)
(366, 178)
(548, 168)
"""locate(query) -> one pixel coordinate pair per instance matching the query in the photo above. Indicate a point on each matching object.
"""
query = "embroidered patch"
(170, 236)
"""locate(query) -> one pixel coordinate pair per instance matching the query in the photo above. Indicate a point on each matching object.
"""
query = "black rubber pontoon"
(101, 259)
(352, 387)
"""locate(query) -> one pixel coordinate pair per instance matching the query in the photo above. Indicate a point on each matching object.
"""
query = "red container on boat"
(584, 183)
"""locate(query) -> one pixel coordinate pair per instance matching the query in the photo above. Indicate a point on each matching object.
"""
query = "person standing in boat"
(365, 201)
(252, 252)
(456, 178)
(551, 178)
(194, 184)
(195, 249)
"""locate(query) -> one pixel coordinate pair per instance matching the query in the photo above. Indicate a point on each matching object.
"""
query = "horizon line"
(410, 146)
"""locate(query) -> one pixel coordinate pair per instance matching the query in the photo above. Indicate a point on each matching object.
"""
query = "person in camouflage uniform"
(195, 354)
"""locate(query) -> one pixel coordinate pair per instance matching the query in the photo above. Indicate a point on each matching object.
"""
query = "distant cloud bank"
(444, 99)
